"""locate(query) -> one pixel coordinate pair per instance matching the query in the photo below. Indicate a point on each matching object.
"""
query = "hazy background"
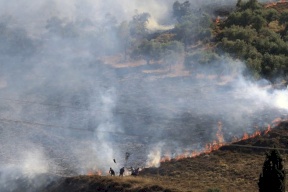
(65, 110)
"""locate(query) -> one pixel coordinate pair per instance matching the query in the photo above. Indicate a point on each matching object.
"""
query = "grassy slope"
(106, 184)
(232, 168)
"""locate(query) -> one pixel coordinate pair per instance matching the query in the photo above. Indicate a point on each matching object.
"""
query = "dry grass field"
(232, 168)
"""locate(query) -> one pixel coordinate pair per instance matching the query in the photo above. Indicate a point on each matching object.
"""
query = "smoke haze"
(65, 109)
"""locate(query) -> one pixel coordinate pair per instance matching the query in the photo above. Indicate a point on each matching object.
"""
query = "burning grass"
(232, 168)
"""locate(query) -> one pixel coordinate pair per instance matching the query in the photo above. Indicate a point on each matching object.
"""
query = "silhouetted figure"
(114, 160)
(135, 172)
(131, 169)
(121, 172)
(112, 172)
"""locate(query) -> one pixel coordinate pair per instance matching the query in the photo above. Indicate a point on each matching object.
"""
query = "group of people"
(121, 173)
(134, 172)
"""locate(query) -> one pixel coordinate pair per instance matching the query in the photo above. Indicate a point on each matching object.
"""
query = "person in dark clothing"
(112, 172)
(121, 172)
(131, 169)
(135, 172)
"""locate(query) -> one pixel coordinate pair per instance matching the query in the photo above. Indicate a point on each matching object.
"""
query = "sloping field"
(232, 168)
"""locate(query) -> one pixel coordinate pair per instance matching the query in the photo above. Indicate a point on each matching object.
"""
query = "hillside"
(257, 34)
(253, 32)
(233, 168)
(181, 89)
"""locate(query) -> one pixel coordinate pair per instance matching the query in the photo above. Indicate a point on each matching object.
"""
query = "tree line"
(257, 35)
(251, 32)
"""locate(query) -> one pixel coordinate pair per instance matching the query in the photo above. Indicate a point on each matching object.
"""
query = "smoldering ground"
(66, 111)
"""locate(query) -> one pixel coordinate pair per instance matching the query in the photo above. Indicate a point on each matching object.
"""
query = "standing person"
(112, 172)
(122, 172)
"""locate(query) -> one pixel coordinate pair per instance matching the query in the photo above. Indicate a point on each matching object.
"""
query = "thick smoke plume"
(66, 108)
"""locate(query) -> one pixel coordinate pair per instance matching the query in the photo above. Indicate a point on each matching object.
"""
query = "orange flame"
(182, 156)
(268, 129)
(92, 173)
(245, 136)
(219, 133)
(215, 145)
(219, 142)
(165, 158)
(195, 154)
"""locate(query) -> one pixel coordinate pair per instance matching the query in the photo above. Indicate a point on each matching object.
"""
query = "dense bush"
(246, 34)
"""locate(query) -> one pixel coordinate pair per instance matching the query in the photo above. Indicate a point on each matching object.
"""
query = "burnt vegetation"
(250, 31)
(255, 164)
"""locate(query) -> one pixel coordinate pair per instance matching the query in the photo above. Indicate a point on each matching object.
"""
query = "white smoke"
(239, 104)
(62, 110)
(34, 163)
(104, 150)
(36, 13)
(154, 156)
(281, 99)
(262, 95)
(153, 25)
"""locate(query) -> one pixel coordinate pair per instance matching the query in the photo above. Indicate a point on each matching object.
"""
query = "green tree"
(283, 20)
(239, 3)
(270, 15)
(148, 50)
(193, 28)
(181, 9)
(272, 177)
(258, 22)
(252, 4)
(138, 25)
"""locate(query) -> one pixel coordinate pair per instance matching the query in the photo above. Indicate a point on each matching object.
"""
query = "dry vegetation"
(279, 6)
(233, 168)
(107, 184)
